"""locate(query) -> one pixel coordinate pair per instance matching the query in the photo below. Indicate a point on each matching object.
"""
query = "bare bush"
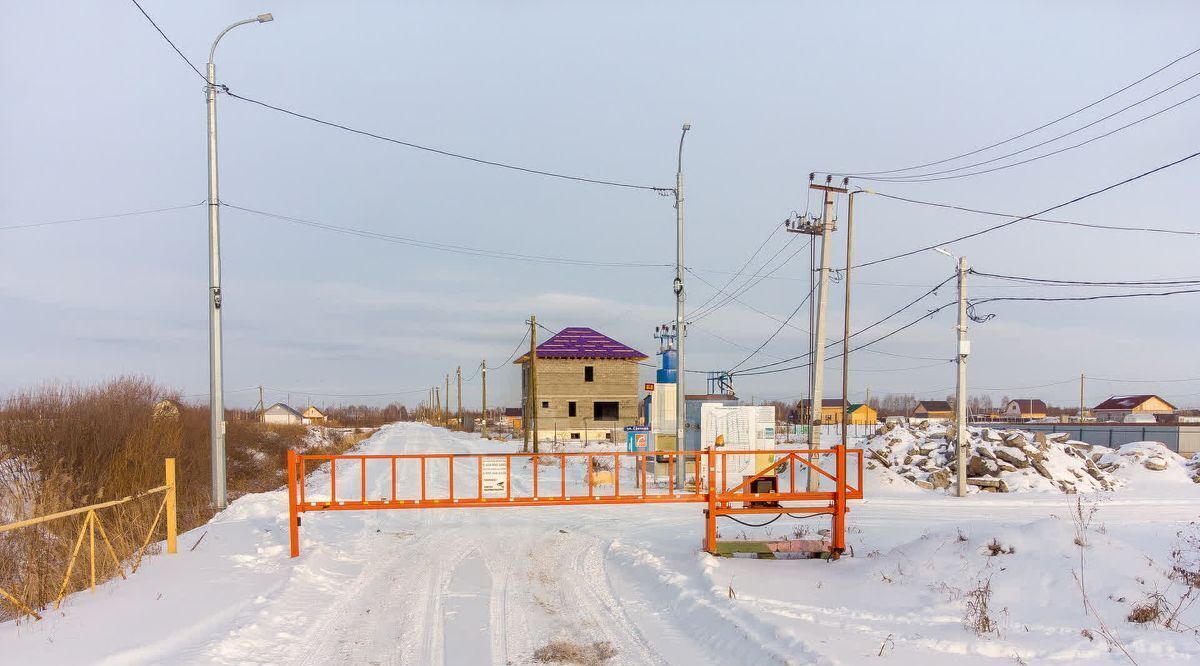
(569, 652)
(995, 548)
(977, 614)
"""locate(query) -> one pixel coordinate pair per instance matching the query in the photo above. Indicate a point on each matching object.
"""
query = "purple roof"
(583, 342)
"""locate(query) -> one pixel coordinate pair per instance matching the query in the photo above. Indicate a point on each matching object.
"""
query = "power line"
(736, 274)
(1088, 283)
(971, 305)
(442, 247)
(938, 175)
(775, 332)
(168, 39)
(1028, 132)
(1089, 225)
(446, 153)
(345, 395)
(101, 217)
(751, 282)
(1143, 381)
(1033, 215)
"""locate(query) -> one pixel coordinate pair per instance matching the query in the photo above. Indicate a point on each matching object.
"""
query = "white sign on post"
(495, 476)
(740, 428)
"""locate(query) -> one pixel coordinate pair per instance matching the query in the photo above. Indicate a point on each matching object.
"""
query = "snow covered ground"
(491, 585)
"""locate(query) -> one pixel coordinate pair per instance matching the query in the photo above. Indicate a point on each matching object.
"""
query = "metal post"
(1081, 398)
(964, 348)
(846, 323)
(533, 404)
(680, 324)
(216, 391)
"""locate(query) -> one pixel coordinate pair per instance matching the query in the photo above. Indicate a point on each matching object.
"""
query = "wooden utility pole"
(437, 399)
(446, 408)
(261, 406)
(483, 371)
(533, 402)
(461, 425)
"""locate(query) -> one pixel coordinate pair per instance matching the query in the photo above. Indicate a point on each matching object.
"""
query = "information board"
(495, 476)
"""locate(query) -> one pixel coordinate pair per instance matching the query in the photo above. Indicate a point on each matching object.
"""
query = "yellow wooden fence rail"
(91, 523)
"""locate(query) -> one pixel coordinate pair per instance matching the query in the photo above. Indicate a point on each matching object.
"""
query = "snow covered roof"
(583, 342)
(1128, 401)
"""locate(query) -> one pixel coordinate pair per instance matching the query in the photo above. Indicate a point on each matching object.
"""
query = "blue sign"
(637, 428)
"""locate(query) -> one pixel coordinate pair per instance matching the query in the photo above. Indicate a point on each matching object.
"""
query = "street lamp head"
(942, 250)
(265, 18)
(687, 126)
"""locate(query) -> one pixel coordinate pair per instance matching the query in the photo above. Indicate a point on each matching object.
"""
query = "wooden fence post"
(171, 506)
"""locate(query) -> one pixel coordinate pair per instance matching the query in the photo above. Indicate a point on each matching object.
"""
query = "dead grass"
(569, 652)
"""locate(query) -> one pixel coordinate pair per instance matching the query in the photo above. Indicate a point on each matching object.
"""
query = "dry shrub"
(1151, 609)
(63, 447)
(977, 615)
(568, 652)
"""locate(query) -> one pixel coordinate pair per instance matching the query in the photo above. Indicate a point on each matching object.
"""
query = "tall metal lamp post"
(680, 325)
(215, 387)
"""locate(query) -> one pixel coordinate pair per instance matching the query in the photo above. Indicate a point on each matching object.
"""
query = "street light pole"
(216, 391)
(680, 325)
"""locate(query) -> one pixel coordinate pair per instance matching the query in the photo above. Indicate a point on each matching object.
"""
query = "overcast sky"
(100, 116)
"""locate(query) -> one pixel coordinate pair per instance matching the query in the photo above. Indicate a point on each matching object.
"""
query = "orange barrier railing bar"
(719, 496)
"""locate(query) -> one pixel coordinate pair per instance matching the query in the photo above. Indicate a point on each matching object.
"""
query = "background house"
(932, 410)
(1118, 406)
(587, 385)
(1022, 409)
(511, 418)
(831, 412)
(314, 415)
(281, 414)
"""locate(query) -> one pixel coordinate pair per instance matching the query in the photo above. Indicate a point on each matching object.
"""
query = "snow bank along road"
(491, 585)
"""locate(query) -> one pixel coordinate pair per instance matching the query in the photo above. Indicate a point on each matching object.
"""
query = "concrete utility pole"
(437, 398)
(964, 350)
(461, 425)
(216, 389)
(846, 319)
(680, 324)
(1081, 397)
(483, 371)
(818, 359)
(531, 416)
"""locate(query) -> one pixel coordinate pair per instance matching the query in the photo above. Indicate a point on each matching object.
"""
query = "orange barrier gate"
(715, 477)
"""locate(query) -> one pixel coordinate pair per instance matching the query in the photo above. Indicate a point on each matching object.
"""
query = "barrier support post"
(293, 512)
(171, 499)
(710, 517)
(839, 502)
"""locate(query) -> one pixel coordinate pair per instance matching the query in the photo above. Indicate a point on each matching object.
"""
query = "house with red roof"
(1118, 407)
(587, 386)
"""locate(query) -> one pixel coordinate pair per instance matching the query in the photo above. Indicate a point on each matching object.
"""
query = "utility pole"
(216, 388)
(680, 324)
(846, 320)
(261, 406)
(1081, 397)
(446, 411)
(818, 359)
(437, 398)
(532, 399)
(461, 425)
(483, 371)
(964, 348)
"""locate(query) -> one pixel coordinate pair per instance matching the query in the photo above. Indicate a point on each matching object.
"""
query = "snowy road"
(491, 585)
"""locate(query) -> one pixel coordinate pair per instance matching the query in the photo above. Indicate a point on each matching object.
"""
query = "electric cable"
(1033, 215)
(1089, 225)
(1028, 132)
(168, 39)
(101, 217)
(938, 175)
(441, 247)
(447, 153)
